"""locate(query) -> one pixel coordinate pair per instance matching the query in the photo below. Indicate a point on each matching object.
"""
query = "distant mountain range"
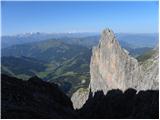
(139, 40)
(135, 40)
(35, 37)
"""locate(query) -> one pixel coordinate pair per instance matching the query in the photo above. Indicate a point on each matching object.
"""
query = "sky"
(51, 16)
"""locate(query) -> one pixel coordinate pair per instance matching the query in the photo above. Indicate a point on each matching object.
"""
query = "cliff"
(111, 67)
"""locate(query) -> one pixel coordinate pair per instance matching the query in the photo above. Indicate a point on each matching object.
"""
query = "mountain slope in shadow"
(33, 99)
(38, 99)
(116, 104)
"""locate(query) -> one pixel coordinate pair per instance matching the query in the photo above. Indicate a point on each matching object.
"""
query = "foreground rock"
(33, 99)
(80, 97)
(117, 105)
(38, 99)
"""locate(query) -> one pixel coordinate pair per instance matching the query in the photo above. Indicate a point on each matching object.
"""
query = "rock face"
(150, 69)
(80, 97)
(112, 68)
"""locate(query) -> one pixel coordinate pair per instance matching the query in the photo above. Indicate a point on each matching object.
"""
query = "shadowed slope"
(116, 104)
(33, 99)
(38, 99)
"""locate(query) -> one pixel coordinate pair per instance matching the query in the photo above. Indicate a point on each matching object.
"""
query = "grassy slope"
(67, 65)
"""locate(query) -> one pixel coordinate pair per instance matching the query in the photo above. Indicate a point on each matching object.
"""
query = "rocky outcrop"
(112, 68)
(80, 97)
(150, 70)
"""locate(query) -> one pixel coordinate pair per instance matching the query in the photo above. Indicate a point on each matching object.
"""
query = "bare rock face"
(111, 67)
(80, 97)
(150, 69)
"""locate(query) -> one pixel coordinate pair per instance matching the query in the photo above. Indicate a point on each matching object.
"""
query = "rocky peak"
(111, 67)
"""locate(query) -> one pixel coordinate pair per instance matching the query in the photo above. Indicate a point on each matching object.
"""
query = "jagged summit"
(107, 33)
(111, 66)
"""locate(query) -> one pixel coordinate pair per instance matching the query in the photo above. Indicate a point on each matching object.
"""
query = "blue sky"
(126, 17)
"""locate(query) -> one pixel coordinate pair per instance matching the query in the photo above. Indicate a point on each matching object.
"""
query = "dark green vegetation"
(23, 67)
(51, 60)
(72, 73)
(146, 55)
(39, 99)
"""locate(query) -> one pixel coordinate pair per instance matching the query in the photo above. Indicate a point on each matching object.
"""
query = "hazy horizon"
(93, 33)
